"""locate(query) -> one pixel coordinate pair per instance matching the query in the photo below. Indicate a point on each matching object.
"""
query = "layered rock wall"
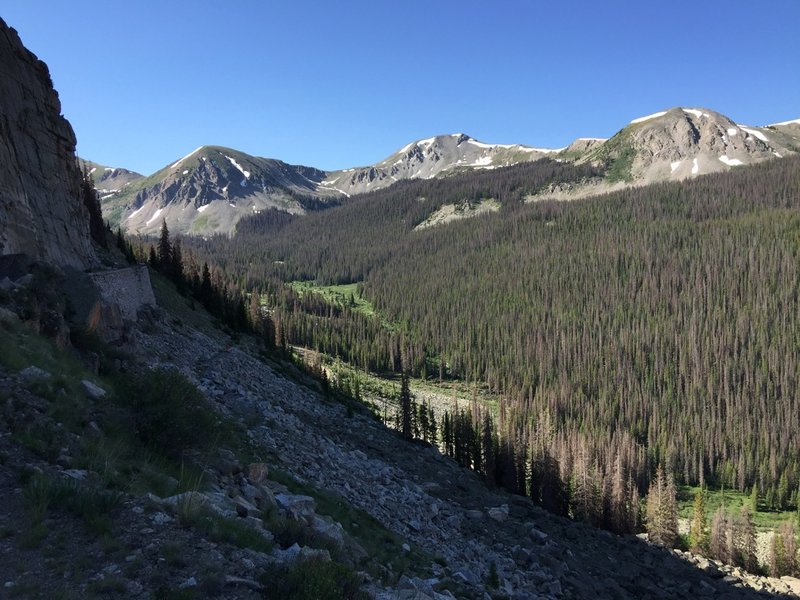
(41, 213)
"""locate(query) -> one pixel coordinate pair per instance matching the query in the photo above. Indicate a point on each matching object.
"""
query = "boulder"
(257, 472)
(94, 391)
(296, 506)
(498, 513)
(32, 373)
(328, 529)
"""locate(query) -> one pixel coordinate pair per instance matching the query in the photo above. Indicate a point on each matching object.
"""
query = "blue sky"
(341, 84)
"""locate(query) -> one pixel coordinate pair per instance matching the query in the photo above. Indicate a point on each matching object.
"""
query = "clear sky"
(336, 84)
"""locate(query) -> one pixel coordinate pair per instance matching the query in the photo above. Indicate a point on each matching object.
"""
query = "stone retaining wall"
(129, 288)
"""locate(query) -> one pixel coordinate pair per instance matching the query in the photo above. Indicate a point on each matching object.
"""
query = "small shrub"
(494, 579)
(312, 580)
(33, 537)
(85, 501)
(173, 554)
(169, 412)
(114, 584)
(191, 508)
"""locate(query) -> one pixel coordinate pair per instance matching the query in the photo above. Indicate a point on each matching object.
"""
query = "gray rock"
(160, 518)
(499, 513)
(94, 391)
(296, 506)
(244, 509)
(30, 374)
(240, 581)
(328, 530)
(257, 472)
(79, 474)
(188, 583)
(466, 576)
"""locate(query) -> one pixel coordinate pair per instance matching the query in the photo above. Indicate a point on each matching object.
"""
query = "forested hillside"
(653, 325)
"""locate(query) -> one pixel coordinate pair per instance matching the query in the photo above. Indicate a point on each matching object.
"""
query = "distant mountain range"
(210, 189)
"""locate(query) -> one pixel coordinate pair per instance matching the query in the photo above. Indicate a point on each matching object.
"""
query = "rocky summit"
(210, 189)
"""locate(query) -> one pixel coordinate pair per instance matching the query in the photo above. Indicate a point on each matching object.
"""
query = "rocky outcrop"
(41, 213)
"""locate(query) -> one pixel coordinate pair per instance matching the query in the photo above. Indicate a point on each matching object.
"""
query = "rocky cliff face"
(41, 213)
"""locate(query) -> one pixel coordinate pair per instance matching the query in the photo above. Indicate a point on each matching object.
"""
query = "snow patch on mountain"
(648, 117)
(195, 151)
(792, 122)
(154, 217)
(240, 168)
(731, 162)
(697, 113)
(754, 133)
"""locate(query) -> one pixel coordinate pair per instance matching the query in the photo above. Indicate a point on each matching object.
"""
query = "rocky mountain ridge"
(109, 181)
(432, 157)
(669, 145)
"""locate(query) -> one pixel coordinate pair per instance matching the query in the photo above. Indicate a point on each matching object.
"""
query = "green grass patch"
(90, 503)
(230, 531)
(21, 348)
(345, 295)
(204, 223)
(764, 519)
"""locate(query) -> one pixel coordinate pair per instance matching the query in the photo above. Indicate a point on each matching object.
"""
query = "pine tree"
(720, 531)
(585, 501)
(662, 511)
(745, 541)
(406, 416)
(698, 534)
(91, 201)
(487, 447)
(176, 270)
(422, 419)
(432, 428)
(164, 248)
(789, 548)
(206, 289)
(754, 498)
(447, 434)
(777, 556)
